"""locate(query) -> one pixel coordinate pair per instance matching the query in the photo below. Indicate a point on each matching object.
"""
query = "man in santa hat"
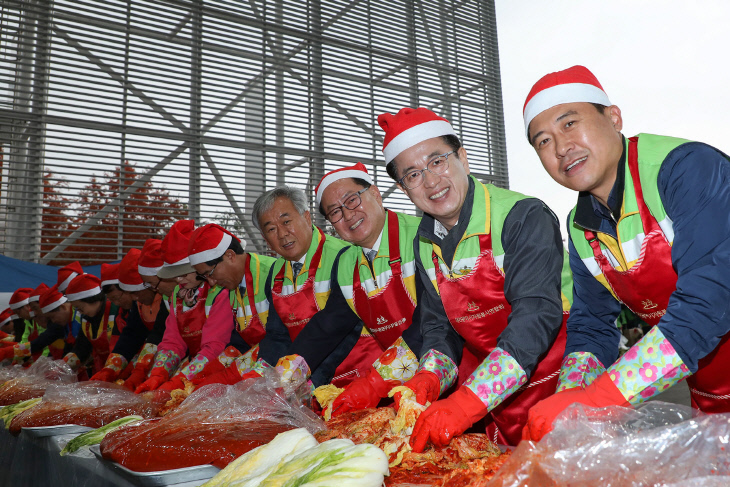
(496, 286)
(381, 287)
(299, 291)
(650, 230)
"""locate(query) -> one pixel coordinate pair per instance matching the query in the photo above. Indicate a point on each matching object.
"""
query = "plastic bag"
(656, 444)
(215, 424)
(91, 404)
(35, 380)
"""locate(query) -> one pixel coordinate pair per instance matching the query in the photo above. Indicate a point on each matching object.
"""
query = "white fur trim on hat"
(336, 176)
(19, 304)
(35, 298)
(414, 135)
(211, 254)
(148, 271)
(185, 260)
(130, 288)
(6, 320)
(109, 281)
(62, 287)
(54, 305)
(87, 293)
(564, 93)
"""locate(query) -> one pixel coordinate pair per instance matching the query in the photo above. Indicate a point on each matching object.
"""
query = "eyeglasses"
(207, 275)
(149, 286)
(351, 202)
(437, 165)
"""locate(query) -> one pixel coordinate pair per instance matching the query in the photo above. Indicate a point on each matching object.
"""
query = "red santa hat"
(36, 294)
(51, 299)
(410, 127)
(6, 316)
(67, 273)
(20, 297)
(150, 260)
(357, 171)
(83, 286)
(175, 250)
(129, 278)
(572, 85)
(210, 242)
(109, 274)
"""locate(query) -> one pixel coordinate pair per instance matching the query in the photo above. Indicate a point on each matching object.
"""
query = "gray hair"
(266, 201)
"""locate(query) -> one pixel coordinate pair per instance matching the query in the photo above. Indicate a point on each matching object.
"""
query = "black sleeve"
(158, 330)
(133, 335)
(325, 332)
(18, 329)
(53, 332)
(533, 261)
(276, 342)
(82, 348)
(325, 371)
(436, 330)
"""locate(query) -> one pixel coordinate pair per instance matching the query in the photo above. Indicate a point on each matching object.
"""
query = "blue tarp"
(19, 273)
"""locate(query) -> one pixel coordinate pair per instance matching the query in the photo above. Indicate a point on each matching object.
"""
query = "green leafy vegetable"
(94, 437)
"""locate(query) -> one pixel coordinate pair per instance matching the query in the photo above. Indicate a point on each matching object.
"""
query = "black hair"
(110, 288)
(359, 181)
(451, 140)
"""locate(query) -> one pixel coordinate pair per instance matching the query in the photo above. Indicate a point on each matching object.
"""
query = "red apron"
(254, 331)
(100, 343)
(388, 313)
(296, 309)
(646, 288)
(190, 322)
(479, 312)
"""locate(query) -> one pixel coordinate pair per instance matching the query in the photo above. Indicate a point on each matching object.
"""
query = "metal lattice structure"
(119, 116)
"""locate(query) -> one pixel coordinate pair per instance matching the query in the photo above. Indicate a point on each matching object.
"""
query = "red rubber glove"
(7, 352)
(425, 384)
(105, 375)
(447, 418)
(172, 384)
(363, 392)
(158, 376)
(211, 368)
(138, 375)
(601, 393)
(229, 375)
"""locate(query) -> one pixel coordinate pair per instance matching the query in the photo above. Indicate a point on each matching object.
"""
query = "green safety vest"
(624, 252)
(258, 268)
(489, 211)
(331, 248)
(407, 229)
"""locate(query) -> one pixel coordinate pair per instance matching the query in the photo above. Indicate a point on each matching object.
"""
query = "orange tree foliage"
(148, 212)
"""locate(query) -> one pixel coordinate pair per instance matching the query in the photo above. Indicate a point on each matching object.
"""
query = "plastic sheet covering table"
(31, 461)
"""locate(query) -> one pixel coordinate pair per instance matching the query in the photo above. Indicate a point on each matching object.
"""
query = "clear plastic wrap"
(91, 404)
(214, 425)
(657, 444)
(32, 382)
